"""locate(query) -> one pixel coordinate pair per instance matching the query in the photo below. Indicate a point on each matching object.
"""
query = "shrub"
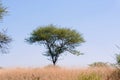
(91, 76)
(98, 64)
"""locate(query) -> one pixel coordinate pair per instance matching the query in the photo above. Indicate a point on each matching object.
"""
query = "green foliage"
(98, 64)
(4, 42)
(118, 59)
(90, 76)
(3, 11)
(56, 40)
(4, 39)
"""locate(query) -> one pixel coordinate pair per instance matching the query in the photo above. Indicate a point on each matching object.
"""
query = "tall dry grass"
(56, 73)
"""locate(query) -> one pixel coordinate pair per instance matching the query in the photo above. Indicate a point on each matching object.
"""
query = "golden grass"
(56, 73)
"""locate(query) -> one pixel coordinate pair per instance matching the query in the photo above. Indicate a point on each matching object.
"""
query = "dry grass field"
(57, 73)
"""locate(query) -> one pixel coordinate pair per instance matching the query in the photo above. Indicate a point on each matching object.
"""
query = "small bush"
(91, 76)
(98, 64)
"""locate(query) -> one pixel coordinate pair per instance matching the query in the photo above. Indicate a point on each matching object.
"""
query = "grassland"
(57, 73)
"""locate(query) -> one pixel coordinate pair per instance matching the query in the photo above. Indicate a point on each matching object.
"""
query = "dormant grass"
(56, 73)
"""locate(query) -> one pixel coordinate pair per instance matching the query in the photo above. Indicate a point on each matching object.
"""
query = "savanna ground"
(58, 73)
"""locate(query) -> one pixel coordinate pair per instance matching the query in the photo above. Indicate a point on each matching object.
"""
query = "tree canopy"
(4, 42)
(118, 59)
(3, 11)
(56, 40)
(4, 39)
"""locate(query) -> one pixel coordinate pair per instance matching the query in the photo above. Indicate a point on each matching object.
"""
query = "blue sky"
(97, 20)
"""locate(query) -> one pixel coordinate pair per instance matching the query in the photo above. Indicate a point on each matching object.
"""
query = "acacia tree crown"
(57, 40)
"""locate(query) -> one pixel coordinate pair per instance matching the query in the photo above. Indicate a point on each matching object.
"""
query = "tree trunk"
(54, 59)
(54, 63)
